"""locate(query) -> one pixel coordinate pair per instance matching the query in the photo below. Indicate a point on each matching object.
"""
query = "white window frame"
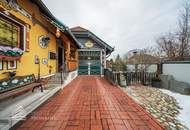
(1, 65)
(11, 68)
(24, 29)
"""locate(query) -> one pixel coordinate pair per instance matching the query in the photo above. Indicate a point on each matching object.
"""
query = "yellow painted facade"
(27, 65)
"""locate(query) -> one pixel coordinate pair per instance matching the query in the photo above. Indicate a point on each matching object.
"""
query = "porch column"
(68, 50)
(101, 63)
(76, 58)
(68, 55)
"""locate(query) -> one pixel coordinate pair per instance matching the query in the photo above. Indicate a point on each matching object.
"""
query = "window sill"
(26, 51)
(72, 60)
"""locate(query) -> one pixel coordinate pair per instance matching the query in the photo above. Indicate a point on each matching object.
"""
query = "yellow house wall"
(26, 65)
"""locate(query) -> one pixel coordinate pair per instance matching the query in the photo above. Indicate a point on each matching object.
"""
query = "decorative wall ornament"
(89, 44)
(9, 51)
(44, 41)
(44, 61)
(7, 4)
(13, 5)
(16, 81)
(36, 59)
(27, 37)
(11, 65)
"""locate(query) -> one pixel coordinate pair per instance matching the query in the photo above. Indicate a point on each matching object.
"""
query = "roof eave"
(74, 38)
(54, 20)
(111, 49)
(48, 14)
(94, 37)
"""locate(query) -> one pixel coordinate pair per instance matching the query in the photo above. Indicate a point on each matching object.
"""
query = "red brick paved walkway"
(90, 103)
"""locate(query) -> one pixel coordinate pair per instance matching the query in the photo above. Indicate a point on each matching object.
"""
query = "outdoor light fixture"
(58, 33)
(89, 58)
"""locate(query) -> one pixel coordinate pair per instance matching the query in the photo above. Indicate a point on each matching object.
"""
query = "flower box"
(10, 53)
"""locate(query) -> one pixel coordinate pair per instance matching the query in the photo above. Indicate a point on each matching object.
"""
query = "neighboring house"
(92, 55)
(33, 41)
(143, 62)
(185, 58)
(132, 52)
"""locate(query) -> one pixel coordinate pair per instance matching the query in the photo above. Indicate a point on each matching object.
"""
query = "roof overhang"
(54, 21)
(89, 34)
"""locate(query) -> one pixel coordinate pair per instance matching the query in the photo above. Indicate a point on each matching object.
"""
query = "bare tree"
(177, 45)
(146, 58)
(168, 46)
(118, 64)
(184, 31)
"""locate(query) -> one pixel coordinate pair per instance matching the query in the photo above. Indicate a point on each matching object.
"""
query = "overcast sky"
(123, 24)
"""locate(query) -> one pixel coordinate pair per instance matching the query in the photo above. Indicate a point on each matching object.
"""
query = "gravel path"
(160, 105)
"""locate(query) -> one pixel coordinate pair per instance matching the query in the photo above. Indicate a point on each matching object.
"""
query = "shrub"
(156, 79)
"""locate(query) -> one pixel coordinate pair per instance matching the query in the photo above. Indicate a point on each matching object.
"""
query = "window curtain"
(9, 33)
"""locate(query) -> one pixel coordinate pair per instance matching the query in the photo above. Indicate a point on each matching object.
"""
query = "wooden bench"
(45, 79)
(17, 85)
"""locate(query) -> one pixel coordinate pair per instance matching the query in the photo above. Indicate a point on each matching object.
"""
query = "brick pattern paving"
(90, 103)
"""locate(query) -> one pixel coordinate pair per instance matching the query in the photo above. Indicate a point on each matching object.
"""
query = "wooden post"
(68, 55)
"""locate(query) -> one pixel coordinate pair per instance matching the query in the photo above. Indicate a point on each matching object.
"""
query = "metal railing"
(110, 76)
(63, 71)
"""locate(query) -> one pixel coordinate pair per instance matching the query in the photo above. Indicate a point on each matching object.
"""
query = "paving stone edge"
(141, 108)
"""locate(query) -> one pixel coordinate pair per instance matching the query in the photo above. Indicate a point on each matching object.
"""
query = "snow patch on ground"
(184, 103)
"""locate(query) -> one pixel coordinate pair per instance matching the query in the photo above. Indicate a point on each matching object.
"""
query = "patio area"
(90, 103)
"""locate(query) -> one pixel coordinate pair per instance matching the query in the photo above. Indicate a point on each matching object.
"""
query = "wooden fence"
(130, 78)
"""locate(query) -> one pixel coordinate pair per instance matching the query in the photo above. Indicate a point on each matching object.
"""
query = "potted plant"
(156, 82)
(11, 74)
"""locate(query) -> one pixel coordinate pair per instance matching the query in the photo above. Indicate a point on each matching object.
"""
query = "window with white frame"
(12, 33)
(1, 65)
(11, 65)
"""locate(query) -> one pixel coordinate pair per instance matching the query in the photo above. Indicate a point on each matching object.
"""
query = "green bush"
(156, 79)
